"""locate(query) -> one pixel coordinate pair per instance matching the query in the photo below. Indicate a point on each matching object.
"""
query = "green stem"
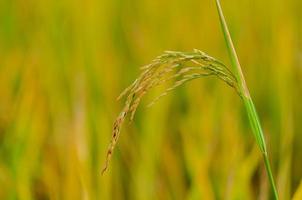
(244, 92)
(270, 174)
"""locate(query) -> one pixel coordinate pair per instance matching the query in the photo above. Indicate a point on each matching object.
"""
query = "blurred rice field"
(63, 63)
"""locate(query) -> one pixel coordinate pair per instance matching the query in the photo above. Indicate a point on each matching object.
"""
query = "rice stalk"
(181, 67)
(247, 100)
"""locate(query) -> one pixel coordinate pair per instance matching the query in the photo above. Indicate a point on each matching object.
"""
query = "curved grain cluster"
(177, 67)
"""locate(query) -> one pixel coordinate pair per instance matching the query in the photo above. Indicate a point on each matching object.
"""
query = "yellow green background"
(64, 62)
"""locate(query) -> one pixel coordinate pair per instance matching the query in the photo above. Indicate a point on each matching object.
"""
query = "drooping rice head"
(172, 66)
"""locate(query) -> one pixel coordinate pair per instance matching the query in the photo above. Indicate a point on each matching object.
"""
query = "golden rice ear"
(178, 67)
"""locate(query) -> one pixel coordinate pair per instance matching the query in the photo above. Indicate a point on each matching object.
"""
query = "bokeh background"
(63, 63)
